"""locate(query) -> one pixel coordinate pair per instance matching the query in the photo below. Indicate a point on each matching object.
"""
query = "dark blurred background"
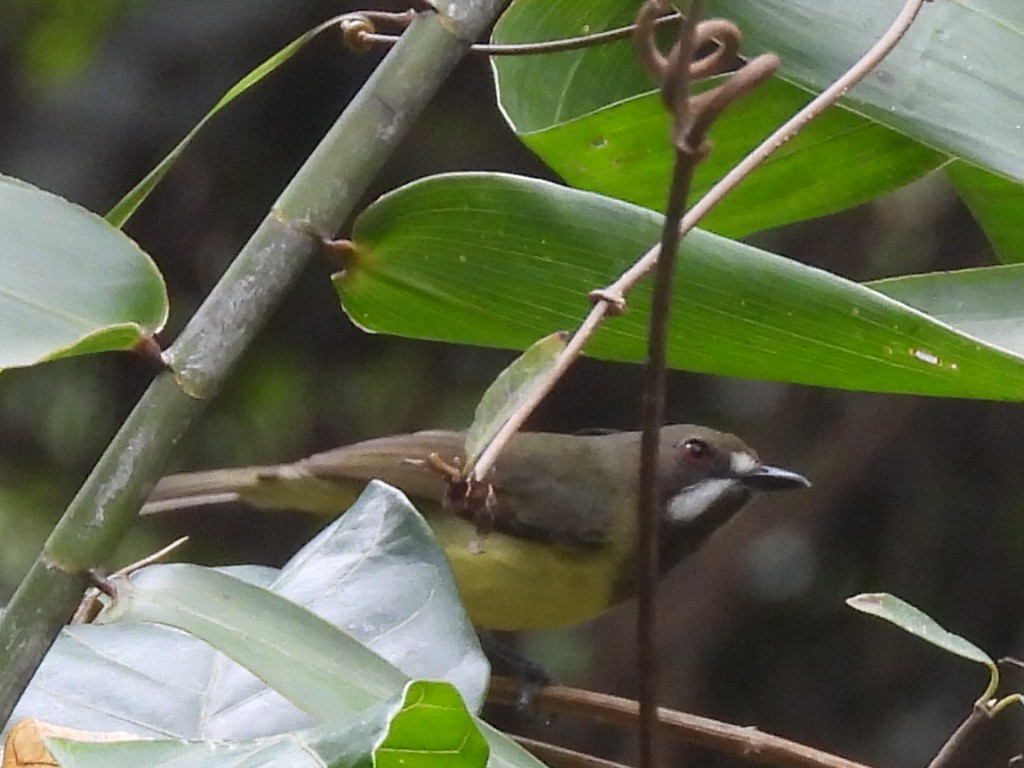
(919, 497)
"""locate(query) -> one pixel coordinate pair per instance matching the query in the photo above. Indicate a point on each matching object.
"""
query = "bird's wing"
(546, 492)
(397, 460)
(537, 488)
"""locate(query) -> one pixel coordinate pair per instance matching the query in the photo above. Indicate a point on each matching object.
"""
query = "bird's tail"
(282, 486)
(325, 484)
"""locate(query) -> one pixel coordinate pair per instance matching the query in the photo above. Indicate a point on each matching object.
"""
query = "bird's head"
(706, 477)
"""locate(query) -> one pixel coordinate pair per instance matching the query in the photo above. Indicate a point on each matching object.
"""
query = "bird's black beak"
(768, 478)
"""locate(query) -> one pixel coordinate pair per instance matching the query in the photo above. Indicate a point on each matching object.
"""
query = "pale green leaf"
(507, 393)
(916, 622)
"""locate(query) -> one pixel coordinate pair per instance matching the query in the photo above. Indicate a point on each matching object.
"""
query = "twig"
(673, 74)
(89, 607)
(610, 300)
(572, 350)
(363, 35)
(359, 27)
(692, 117)
(560, 757)
(746, 743)
(980, 713)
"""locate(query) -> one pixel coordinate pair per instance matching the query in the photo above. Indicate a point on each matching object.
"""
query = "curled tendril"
(354, 29)
(359, 29)
(675, 71)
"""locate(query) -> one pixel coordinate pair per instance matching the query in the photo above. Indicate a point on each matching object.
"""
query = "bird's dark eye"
(694, 449)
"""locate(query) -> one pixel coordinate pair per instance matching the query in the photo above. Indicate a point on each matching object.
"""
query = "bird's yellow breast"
(508, 583)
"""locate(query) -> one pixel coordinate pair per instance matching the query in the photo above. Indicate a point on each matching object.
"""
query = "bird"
(561, 545)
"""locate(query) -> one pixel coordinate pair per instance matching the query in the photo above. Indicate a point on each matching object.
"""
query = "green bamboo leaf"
(128, 204)
(329, 674)
(997, 204)
(600, 125)
(622, 151)
(952, 83)
(509, 390)
(501, 261)
(985, 303)
(537, 92)
(70, 284)
(916, 622)
(590, 115)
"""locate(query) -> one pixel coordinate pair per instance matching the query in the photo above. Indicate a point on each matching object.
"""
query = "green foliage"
(499, 261)
(69, 282)
(322, 635)
(914, 621)
(510, 390)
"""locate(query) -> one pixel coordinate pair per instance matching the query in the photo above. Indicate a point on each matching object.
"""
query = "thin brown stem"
(675, 73)
(653, 416)
(979, 714)
(367, 38)
(560, 757)
(743, 742)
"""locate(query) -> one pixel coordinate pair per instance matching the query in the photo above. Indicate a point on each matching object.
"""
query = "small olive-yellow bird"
(564, 539)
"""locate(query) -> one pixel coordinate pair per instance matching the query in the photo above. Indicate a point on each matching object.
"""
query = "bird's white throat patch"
(691, 502)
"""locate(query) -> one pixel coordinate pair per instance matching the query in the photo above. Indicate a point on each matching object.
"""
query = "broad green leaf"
(910, 619)
(318, 667)
(329, 672)
(952, 83)
(997, 204)
(127, 205)
(838, 161)
(375, 573)
(501, 261)
(934, 98)
(70, 283)
(609, 133)
(537, 92)
(425, 725)
(986, 303)
(509, 390)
